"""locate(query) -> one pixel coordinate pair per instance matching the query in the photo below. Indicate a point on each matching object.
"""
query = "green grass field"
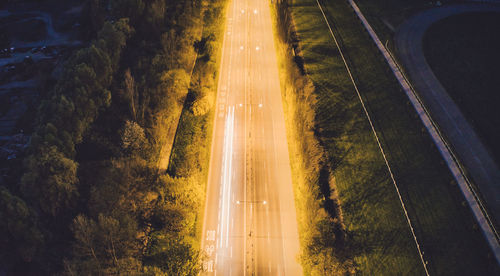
(463, 53)
(378, 235)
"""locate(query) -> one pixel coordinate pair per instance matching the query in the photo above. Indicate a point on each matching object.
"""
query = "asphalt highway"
(250, 225)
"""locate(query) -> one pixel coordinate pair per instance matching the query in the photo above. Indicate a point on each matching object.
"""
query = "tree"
(130, 94)
(112, 39)
(202, 106)
(51, 178)
(85, 246)
(133, 138)
(325, 257)
(155, 16)
(132, 9)
(176, 81)
(106, 246)
(20, 238)
(172, 255)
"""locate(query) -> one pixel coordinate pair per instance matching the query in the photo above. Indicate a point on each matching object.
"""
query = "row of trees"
(49, 189)
(72, 107)
(91, 200)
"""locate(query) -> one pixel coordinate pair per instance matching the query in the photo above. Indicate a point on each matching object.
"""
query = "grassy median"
(377, 234)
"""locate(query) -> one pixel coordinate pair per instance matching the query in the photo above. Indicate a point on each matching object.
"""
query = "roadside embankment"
(379, 239)
(321, 231)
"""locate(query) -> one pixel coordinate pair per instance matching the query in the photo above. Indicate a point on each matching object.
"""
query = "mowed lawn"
(379, 237)
(463, 52)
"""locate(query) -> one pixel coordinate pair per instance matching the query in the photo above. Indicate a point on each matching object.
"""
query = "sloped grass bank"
(377, 234)
(321, 230)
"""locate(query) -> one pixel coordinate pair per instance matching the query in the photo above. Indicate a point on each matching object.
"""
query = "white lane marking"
(209, 250)
(208, 266)
(211, 235)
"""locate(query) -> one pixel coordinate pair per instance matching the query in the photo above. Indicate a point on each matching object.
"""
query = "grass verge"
(321, 231)
(377, 235)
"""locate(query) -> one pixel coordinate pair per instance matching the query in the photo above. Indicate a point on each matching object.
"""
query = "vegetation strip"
(378, 141)
(91, 201)
(377, 233)
(454, 165)
(321, 234)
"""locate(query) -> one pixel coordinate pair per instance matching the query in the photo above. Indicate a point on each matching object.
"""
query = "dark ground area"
(463, 52)
(35, 38)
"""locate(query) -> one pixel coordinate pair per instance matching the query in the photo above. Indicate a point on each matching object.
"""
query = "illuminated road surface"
(250, 225)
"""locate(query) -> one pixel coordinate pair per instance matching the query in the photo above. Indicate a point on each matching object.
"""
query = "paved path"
(53, 37)
(465, 142)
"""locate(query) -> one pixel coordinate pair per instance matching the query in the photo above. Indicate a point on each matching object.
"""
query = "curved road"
(470, 150)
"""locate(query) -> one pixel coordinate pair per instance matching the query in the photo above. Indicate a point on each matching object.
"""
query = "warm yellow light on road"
(249, 160)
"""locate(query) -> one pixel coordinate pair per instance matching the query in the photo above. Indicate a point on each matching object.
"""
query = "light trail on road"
(225, 195)
(250, 225)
